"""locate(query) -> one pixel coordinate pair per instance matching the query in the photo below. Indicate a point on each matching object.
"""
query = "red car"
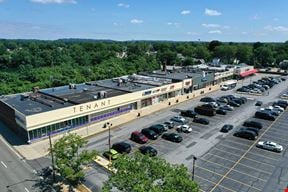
(138, 137)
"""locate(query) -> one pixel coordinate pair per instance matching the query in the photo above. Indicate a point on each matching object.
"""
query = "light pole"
(52, 157)
(193, 168)
(109, 125)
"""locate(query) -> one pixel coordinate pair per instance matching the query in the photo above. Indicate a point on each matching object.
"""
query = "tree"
(243, 53)
(142, 173)
(263, 56)
(202, 52)
(69, 160)
(225, 52)
(213, 44)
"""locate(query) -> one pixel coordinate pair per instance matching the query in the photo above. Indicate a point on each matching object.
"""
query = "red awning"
(247, 73)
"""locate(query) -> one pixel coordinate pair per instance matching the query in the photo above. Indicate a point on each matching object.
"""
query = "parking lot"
(224, 162)
(235, 164)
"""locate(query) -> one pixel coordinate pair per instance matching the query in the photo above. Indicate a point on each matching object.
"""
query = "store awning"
(247, 73)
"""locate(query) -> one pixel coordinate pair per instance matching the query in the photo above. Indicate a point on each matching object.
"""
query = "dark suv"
(159, 129)
(188, 113)
(254, 124)
(149, 133)
(122, 147)
(246, 134)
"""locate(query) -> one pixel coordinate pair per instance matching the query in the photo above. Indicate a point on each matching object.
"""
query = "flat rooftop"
(133, 83)
(82, 93)
(58, 97)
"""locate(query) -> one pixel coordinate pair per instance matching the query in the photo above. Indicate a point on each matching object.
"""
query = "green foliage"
(150, 174)
(69, 160)
(28, 63)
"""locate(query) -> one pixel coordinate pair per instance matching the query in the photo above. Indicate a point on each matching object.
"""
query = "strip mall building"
(91, 107)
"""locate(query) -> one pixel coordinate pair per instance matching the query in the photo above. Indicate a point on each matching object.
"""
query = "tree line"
(28, 63)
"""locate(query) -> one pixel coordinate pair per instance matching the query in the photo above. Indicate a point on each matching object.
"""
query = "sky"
(176, 20)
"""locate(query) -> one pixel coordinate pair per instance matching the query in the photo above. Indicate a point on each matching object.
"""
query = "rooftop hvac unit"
(85, 90)
(95, 97)
(72, 86)
(65, 99)
(23, 97)
(102, 94)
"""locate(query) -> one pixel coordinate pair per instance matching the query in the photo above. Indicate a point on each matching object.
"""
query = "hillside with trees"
(28, 63)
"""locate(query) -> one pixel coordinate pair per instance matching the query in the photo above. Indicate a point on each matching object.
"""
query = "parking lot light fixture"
(193, 168)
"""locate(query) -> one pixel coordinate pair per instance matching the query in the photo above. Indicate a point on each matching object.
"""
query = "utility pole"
(52, 157)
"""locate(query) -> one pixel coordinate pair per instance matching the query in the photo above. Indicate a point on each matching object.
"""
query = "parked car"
(265, 115)
(278, 107)
(111, 155)
(258, 103)
(202, 110)
(170, 124)
(148, 150)
(158, 128)
(221, 111)
(226, 128)
(174, 137)
(150, 134)
(188, 113)
(184, 129)
(226, 108)
(178, 119)
(272, 112)
(254, 124)
(255, 130)
(201, 120)
(233, 104)
(269, 145)
(122, 147)
(138, 137)
(207, 99)
(245, 134)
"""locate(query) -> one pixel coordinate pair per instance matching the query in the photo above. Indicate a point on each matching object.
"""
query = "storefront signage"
(91, 106)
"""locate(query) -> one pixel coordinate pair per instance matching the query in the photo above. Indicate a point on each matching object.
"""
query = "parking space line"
(276, 138)
(259, 162)
(233, 170)
(232, 147)
(262, 156)
(243, 183)
(215, 183)
(274, 159)
(238, 162)
(226, 152)
(281, 136)
(220, 157)
(250, 186)
(215, 163)
(237, 143)
(245, 157)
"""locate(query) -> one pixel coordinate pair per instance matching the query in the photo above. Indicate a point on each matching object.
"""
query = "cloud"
(174, 24)
(123, 5)
(216, 26)
(2, 1)
(211, 12)
(192, 33)
(215, 32)
(136, 21)
(256, 17)
(54, 1)
(211, 25)
(276, 28)
(185, 12)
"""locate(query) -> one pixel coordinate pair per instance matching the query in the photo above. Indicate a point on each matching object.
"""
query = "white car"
(184, 128)
(269, 145)
(278, 107)
(178, 119)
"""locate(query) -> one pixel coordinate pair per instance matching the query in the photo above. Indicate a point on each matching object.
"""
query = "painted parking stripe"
(261, 155)
(246, 145)
(245, 157)
(215, 183)
(239, 172)
(278, 135)
(275, 138)
(245, 153)
(4, 165)
(234, 148)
